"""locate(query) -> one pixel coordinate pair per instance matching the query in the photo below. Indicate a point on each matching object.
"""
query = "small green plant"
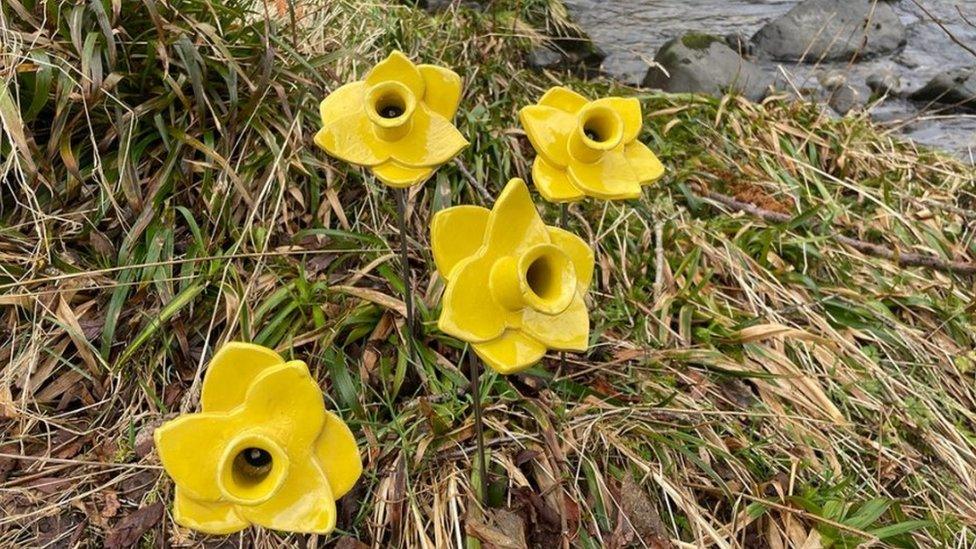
(847, 524)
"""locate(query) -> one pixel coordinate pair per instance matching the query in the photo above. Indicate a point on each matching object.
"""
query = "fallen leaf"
(8, 409)
(346, 542)
(374, 296)
(503, 530)
(130, 529)
(110, 504)
(642, 515)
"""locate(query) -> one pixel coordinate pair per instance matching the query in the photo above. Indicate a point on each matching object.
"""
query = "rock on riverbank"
(832, 30)
(702, 63)
(955, 88)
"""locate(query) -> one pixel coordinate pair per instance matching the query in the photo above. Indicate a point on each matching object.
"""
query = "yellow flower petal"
(351, 139)
(563, 99)
(510, 353)
(398, 68)
(578, 251)
(231, 371)
(469, 312)
(548, 129)
(304, 503)
(644, 162)
(207, 517)
(338, 455)
(344, 100)
(514, 224)
(443, 90)
(609, 178)
(432, 141)
(206, 436)
(629, 109)
(455, 234)
(287, 401)
(553, 183)
(567, 331)
(399, 176)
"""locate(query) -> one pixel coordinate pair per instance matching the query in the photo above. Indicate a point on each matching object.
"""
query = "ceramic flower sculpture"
(515, 286)
(396, 121)
(263, 451)
(588, 148)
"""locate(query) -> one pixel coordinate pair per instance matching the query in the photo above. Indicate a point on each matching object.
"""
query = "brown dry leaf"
(346, 542)
(503, 530)
(130, 529)
(374, 296)
(333, 198)
(77, 335)
(7, 407)
(101, 244)
(110, 504)
(642, 515)
(773, 330)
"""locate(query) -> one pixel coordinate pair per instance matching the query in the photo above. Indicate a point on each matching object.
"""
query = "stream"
(631, 31)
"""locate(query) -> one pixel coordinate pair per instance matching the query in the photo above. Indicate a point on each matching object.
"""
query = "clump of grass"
(749, 384)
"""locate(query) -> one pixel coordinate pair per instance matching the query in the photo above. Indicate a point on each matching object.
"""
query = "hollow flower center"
(252, 465)
(253, 468)
(598, 129)
(390, 106)
(542, 278)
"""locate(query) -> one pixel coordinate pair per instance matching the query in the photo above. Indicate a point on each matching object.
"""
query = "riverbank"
(750, 382)
(631, 33)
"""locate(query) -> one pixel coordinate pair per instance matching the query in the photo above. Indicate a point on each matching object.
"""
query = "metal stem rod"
(405, 262)
(473, 371)
(563, 224)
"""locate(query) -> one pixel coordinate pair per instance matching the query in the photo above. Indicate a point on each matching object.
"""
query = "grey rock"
(625, 67)
(740, 44)
(542, 57)
(832, 30)
(956, 87)
(831, 80)
(434, 6)
(884, 82)
(844, 99)
(702, 63)
(566, 53)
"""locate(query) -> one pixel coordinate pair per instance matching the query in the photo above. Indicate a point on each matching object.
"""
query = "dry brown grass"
(749, 385)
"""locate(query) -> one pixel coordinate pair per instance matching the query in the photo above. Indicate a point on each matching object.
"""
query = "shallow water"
(631, 31)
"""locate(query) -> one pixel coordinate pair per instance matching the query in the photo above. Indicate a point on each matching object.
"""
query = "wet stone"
(832, 30)
(956, 88)
(884, 82)
(703, 63)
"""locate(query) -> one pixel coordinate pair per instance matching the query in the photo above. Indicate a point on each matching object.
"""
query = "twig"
(964, 18)
(658, 260)
(904, 259)
(945, 29)
(472, 179)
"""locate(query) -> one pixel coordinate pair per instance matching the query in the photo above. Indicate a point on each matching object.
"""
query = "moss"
(667, 56)
(699, 41)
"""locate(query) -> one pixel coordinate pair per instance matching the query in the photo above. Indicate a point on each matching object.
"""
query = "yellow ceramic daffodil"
(263, 451)
(397, 121)
(588, 148)
(515, 286)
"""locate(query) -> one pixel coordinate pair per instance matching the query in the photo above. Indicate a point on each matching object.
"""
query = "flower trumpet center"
(390, 106)
(542, 278)
(252, 469)
(598, 129)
